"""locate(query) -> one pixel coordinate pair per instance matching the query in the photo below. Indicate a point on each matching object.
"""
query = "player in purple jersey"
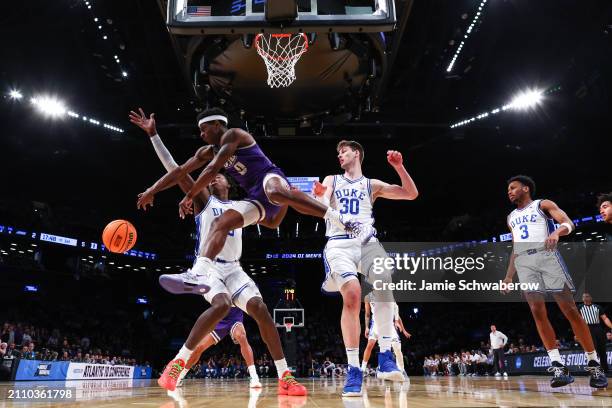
(266, 185)
(241, 213)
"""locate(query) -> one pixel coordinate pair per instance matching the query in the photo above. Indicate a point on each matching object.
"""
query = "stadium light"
(466, 35)
(15, 94)
(49, 106)
(522, 101)
(526, 100)
(415, 310)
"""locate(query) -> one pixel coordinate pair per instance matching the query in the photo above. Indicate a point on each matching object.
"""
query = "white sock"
(554, 355)
(333, 216)
(184, 354)
(399, 356)
(383, 324)
(281, 367)
(352, 356)
(364, 365)
(592, 356)
(253, 372)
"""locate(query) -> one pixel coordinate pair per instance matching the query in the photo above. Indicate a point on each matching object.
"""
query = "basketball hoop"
(280, 53)
(288, 326)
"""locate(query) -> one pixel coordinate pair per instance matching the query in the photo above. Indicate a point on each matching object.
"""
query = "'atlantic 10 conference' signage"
(84, 371)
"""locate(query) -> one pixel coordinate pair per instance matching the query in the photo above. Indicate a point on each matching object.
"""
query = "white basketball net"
(281, 52)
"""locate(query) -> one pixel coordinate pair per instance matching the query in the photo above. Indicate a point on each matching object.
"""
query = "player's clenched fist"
(318, 189)
(394, 158)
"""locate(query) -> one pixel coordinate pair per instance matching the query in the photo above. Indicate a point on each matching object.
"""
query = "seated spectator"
(3, 349)
(609, 338)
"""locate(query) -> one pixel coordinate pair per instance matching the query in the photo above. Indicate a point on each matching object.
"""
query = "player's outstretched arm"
(185, 184)
(229, 143)
(408, 189)
(202, 156)
(566, 225)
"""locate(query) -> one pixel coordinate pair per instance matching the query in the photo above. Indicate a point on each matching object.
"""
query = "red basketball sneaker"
(288, 386)
(171, 374)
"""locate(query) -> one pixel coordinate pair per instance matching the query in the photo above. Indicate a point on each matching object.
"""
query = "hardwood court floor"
(524, 391)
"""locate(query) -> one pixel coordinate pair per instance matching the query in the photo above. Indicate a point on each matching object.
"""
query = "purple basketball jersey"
(248, 167)
(225, 326)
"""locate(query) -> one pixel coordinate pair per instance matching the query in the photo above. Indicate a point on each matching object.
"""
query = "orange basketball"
(119, 236)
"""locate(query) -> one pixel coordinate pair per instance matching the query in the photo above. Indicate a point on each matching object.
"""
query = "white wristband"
(568, 226)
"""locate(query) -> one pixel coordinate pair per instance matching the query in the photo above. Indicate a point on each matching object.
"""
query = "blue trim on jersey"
(223, 261)
(333, 186)
(345, 274)
(351, 181)
(550, 226)
(197, 245)
(199, 225)
(570, 282)
(334, 237)
(215, 336)
(236, 293)
(370, 189)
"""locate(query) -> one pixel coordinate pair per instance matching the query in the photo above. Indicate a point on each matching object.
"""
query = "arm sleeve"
(164, 155)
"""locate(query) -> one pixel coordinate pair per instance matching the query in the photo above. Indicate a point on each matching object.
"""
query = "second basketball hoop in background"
(280, 53)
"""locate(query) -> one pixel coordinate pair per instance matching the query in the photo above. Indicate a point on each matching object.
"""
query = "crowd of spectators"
(479, 361)
(20, 340)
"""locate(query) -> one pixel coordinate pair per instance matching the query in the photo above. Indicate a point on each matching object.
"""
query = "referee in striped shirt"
(593, 315)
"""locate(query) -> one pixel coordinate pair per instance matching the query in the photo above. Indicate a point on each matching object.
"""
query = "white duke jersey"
(232, 250)
(353, 199)
(530, 226)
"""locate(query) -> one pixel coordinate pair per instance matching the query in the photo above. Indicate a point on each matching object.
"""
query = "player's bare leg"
(351, 329)
(207, 321)
(207, 343)
(570, 311)
(540, 317)
(349, 321)
(561, 374)
(581, 330)
(239, 336)
(258, 310)
(366, 355)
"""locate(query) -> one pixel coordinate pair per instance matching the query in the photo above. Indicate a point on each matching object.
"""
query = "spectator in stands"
(30, 354)
(26, 338)
(328, 368)
(609, 338)
(3, 349)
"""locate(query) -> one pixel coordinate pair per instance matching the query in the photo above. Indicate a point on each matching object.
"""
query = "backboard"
(282, 316)
(204, 17)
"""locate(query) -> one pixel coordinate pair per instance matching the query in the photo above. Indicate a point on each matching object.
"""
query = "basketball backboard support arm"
(180, 21)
